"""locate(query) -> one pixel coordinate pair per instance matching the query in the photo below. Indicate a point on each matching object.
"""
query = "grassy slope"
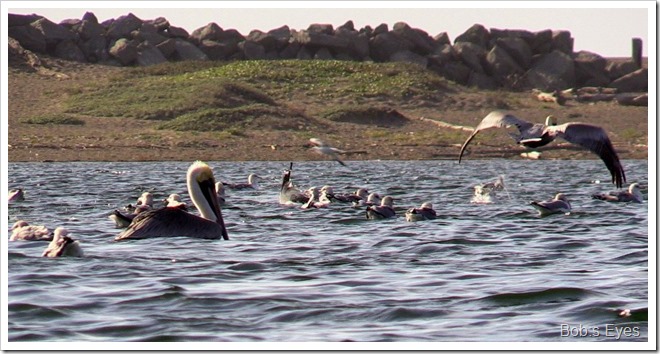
(278, 104)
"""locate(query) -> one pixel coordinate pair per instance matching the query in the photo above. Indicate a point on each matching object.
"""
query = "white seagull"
(531, 135)
(168, 222)
(16, 195)
(23, 231)
(324, 149)
(559, 204)
(62, 245)
(251, 183)
(383, 211)
(424, 212)
(633, 194)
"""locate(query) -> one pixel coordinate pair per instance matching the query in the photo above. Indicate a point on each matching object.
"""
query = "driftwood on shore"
(593, 94)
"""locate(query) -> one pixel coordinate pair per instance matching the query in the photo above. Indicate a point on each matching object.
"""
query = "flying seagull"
(531, 135)
(324, 149)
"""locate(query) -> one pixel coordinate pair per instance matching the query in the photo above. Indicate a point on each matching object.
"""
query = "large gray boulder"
(95, 49)
(455, 71)
(616, 69)
(53, 33)
(21, 20)
(636, 81)
(69, 50)
(358, 43)
(422, 43)
(518, 49)
(471, 55)
(89, 29)
(148, 32)
(319, 38)
(408, 56)
(382, 46)
(29, 37)
(188, 51)
(218, 50)
(124, 51)
(562, 41)
(590, 69)
(167, 47)
(211, 32)
(477, 34)
(176, 32)
(252, 50)
(553, 71)
(149, 54)
(501, 66)
(123, 26)
(541, 42)
(442, 55)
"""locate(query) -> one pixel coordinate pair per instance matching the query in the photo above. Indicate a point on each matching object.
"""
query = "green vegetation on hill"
(218, 96)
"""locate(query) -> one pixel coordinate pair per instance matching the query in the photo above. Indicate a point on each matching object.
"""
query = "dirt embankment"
(403, 137)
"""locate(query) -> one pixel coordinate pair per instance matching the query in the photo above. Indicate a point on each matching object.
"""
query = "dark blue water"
(480, 272)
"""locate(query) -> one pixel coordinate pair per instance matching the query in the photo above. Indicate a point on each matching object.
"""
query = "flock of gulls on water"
(145, 220)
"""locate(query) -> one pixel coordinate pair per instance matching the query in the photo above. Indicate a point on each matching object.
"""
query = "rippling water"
(481, 272)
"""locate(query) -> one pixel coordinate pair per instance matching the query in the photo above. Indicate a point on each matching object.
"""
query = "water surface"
(481, 272)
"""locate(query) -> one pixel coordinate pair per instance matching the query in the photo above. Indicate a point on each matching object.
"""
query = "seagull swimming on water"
(324, 149)
(531, 135)
(559, 204)
(16, 195)
(633, 194)
(383, 211)
(62, 245)
(424, 212)
(173, 221)
(251, 183)
(23, 231)
(288, 193)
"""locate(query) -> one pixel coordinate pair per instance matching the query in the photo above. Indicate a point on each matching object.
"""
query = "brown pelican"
(252, 183)
(383, 211)
(531, 135)
(16, 195)
(23, 231)
(559, 204)
(425, 212)
(62, 245)
(168, 221)
(633, 194)
(288, 193)
(324, 149)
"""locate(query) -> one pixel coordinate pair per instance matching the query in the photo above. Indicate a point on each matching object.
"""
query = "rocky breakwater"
(487, 59)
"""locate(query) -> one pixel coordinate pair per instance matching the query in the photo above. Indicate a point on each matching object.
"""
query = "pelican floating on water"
(252, 183)
(383, 211)
(633, 194)
(559, 204)
(22, 231)
(424, 212)
(168, 221)
(324, 149)
(16, 195)
(62, 245)
(531, 135)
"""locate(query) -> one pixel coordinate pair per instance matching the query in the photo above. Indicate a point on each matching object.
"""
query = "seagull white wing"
(496, 119)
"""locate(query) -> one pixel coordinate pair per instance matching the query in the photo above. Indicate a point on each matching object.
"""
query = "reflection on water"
(480, 272)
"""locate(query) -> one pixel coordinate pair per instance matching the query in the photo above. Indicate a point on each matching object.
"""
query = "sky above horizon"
(605, 31)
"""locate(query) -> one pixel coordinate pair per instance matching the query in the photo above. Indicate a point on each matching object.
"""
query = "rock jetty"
(479, 57)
